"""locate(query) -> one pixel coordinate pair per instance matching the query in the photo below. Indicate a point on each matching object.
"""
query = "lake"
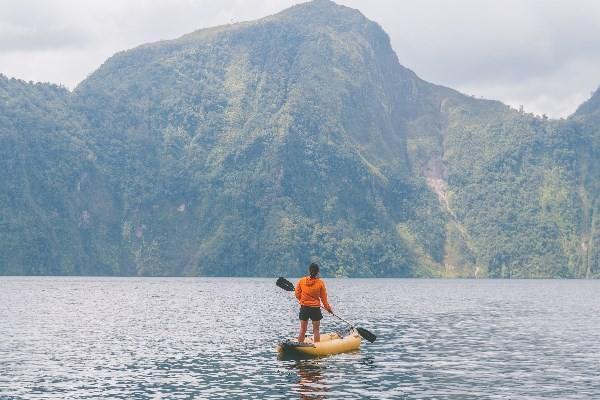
(185, 338)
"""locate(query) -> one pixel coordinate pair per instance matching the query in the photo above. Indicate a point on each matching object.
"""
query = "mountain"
(254, 148)
(50, 187)
(591, 106)
(584, 126)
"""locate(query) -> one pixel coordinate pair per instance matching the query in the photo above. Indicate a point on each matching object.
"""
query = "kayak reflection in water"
(310, 380)
(310, 292)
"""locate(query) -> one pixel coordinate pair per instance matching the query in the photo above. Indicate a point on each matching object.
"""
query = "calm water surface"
(150, 338)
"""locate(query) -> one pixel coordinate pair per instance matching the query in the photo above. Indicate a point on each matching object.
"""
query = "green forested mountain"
(254, 148)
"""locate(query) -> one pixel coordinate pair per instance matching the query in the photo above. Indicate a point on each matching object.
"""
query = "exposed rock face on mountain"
(254, 148)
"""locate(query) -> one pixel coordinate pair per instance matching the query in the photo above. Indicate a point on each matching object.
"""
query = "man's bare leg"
(303, 326)
(316, 333)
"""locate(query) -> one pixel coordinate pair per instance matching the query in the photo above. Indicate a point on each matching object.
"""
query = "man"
(310, 292)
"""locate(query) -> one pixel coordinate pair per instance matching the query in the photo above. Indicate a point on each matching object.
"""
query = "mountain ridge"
(591, 105)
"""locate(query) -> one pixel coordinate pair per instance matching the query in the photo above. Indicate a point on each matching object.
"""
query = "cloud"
(30, 26)
(544, 55)
(20, 38)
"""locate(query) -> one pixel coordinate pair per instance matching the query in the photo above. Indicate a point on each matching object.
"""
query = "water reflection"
(368, 360)
(311, 382)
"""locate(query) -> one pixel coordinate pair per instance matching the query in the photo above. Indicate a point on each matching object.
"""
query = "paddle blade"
(285, 284)
(366, 334)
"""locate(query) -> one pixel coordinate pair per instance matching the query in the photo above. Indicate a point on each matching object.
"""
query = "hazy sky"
(544, 54)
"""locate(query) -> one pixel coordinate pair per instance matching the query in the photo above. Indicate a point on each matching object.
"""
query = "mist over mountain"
(255, 148)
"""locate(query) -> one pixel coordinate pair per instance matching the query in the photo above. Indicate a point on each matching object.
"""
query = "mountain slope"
(259, 146)
(50, 188)
(584, 126)
(254, 148)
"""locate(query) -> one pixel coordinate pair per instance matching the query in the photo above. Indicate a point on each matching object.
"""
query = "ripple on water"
(134, 338)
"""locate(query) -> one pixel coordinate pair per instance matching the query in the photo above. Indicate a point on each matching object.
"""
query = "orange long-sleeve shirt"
(310, 290)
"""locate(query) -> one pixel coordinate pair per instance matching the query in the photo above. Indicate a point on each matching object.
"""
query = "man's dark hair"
(313, 269)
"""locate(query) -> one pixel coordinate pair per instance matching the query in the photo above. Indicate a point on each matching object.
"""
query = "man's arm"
(298, 290)
(323, 295)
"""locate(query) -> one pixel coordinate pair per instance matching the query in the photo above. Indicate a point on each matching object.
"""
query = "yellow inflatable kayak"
(331, 343)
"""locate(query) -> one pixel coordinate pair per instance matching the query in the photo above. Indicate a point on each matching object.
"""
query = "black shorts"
(314, 313)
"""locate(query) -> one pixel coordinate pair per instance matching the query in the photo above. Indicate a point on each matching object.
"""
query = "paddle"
(289, 286)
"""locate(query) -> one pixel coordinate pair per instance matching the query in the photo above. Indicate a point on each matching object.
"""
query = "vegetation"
(254, 148)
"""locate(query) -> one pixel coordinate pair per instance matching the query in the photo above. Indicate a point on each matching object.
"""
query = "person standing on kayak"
(310, 292)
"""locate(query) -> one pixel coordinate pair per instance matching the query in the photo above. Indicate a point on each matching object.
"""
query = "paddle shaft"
(342, 319)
